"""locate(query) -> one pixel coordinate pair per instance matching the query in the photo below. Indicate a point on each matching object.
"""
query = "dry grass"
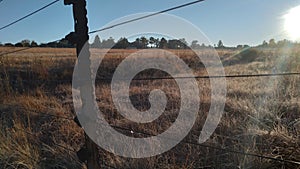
(262, 115)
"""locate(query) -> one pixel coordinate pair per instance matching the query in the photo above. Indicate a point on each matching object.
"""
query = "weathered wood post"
(88, 153)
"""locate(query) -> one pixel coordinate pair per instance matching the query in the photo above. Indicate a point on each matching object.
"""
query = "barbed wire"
(155, 78)
(28, 15)
(214, 147)
(186, 142)
(15, 51)
(146, 16)
(106, 28)
(158, 78)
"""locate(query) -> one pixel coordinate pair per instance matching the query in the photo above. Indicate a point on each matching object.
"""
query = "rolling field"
(260, 126)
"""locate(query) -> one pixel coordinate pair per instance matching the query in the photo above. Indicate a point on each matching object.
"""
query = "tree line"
(144, 43)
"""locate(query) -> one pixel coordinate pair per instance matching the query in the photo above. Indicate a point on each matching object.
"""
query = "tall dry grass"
(261, 116)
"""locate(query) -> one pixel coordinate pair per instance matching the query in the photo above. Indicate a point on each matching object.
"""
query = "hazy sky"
(232, 21)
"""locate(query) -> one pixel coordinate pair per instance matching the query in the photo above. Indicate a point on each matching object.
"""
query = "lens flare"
(292, 23)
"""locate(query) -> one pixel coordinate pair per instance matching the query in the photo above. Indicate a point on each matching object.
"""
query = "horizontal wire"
(204, 145)
(218, 148)
(110, 27)
(15, 51)
(162, 78)
(146, 16)
(165, 78)
(215, 77)
(185, 142)
(30, 14)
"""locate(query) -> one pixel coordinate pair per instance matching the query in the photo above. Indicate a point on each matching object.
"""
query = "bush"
(248, 55)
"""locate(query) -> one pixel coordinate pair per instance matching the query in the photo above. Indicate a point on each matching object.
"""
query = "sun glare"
(292, 23)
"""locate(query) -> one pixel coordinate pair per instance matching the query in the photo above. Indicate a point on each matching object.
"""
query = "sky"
(232, 21)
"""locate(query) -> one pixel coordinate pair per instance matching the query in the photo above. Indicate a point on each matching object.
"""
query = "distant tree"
(246, 46)
(19, 44)
(239, 46)
(156, 42)
(1, 44)
(184, 44)
(152, 41)
(242, 46)
(43, 45)
(264, 44)
(25, 43)
(177, 44)
(195, 45)
(96, 43)
(272, 43)
(220, 44)
(174, 44)
(203, 45)
(52, 44)
(33, 44)
(144, 42)
(109, 43)
(137, 43)
(284, 43)
(63, 43)
(122, 44)
(163, 43)
(8, 45)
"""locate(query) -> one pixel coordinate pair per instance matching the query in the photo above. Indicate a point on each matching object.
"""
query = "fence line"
(15, 51)
(157, 78)
(146, 16)
(186, 142)
(30, 14)
(106, 28)
(218, 148)
(162, 78)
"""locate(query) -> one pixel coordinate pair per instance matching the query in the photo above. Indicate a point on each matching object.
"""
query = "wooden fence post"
(89, 153)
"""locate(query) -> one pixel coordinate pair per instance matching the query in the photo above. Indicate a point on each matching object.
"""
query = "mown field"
(261, 115)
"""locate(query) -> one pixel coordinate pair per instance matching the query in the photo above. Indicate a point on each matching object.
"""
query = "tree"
(8, 45)
(272, 43)
(109, 43)
(183, 44)
(152, 41)
(19, 44)
(33, 44)
(25, 43)
(122, 44)
(284, 43)
(137, 43)
(157, 42)
(163, 43)
(97, 42)
(264, 44)
(220, 44)
(174, 44)
(144, 42)
(195, 45)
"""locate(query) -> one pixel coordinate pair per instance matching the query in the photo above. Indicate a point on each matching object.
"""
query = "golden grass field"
(261, 116)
